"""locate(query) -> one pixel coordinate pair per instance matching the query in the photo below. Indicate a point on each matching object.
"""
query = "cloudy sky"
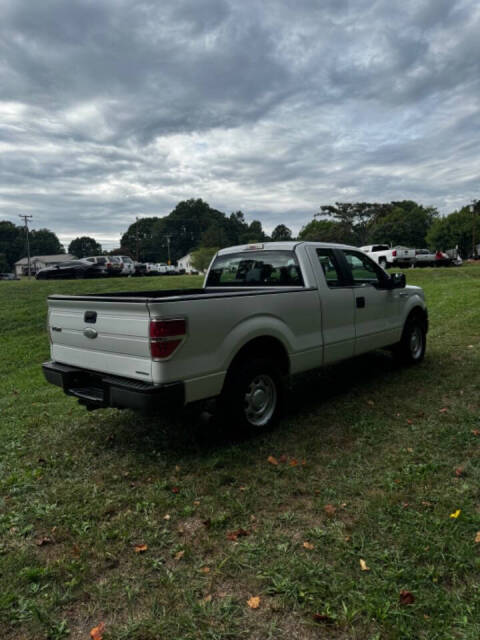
(111, 109)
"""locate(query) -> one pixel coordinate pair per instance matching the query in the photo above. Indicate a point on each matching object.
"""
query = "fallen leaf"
(460, 473)
(321, 617)
(272, 460)
(456, 513)
(308, 545)
(329, 509)
(205, 569)
(409, 421)
(196, 502)
(443, 410)
(179, 555)
(207, 598)
(96, 632)
(476, 432)
(406, 597)
(76, 549)
(293, 462)
(239, 533)
(363, 565)
(254, 602)
(175, 489)
(41, 542)
(409, 449)
(177, 468)
(477, 537)
(166, 516)
(140, 548)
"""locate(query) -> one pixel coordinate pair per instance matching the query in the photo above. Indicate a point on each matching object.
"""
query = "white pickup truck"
(387, 256)
(265, 312)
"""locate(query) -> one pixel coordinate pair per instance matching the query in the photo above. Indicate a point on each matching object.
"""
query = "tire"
(412, 346)
(253, 394)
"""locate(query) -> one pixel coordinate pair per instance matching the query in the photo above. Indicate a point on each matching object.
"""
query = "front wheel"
(412, 346)
(253, 394)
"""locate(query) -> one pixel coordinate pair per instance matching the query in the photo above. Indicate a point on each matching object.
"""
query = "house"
(39, 262)
(185, 263)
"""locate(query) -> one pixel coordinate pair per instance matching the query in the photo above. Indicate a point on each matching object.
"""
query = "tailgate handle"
(90, 316)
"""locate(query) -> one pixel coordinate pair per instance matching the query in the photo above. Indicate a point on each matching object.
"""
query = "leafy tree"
(254, 233)
(281, 232)
(3, 262)
(214, 236)
(355, 218)
(453, 230)
(202, 257)
(12, 243)
(44, 242)
(141, 232)
(406, 223)
(326, 231)
(84, 246)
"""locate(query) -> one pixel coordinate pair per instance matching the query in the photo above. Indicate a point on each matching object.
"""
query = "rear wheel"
(411, 348)
(253, 394)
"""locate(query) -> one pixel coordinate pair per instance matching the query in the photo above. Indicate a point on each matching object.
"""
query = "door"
(376, 307)
(337, 306)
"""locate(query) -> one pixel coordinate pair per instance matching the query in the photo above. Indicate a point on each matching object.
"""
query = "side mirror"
(398, 280)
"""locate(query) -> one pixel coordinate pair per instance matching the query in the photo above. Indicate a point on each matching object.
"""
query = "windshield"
(255, 269)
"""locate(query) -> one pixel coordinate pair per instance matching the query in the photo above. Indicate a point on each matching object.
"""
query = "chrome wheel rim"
(260, 400)
(416, 343)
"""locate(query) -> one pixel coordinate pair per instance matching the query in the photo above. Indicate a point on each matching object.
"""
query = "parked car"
(127, 264)
(108, 267)
(140, 269)
(157, 268)
(426, 258)
(387, 256)
(71, 269)
(265, 312)
(8, 276)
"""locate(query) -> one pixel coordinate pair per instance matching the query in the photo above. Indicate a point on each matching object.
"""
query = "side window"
(364, 270)
(330, 268)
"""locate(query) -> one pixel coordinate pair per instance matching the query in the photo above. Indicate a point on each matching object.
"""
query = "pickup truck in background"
(426, 258)
(265, 312)
(387, 256)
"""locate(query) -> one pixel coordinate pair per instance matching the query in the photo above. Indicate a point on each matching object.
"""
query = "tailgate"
(110, 337)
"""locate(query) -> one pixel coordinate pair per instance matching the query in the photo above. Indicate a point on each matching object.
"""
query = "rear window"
(256, 269)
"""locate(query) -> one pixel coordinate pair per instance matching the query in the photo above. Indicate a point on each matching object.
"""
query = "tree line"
(195, 226)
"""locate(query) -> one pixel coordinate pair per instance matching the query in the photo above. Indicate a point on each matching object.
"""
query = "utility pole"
(472, 208)
(25, 220)
(136, 238)
(168, 245)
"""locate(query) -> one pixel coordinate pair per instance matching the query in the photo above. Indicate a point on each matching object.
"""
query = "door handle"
(360, 302)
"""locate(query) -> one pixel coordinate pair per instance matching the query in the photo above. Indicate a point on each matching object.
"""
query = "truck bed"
(175, 294)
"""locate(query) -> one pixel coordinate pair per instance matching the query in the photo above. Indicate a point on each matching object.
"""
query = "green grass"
(380, 444)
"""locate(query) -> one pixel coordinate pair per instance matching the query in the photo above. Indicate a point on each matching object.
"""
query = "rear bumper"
(97, 391)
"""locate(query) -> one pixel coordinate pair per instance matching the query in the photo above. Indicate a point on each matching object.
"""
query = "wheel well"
(264, 346)
(418, 312)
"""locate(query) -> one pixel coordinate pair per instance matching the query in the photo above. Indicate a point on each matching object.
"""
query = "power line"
(25, 220)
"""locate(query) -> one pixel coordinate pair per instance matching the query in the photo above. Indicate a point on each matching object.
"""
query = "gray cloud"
(115, 108)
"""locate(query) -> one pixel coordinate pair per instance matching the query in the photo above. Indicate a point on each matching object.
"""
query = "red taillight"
(166, 336)
(394, 253)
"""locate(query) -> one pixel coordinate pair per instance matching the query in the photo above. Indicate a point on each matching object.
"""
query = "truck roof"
(283, 246)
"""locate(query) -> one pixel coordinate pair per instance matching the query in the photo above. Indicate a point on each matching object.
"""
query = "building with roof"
(40, 262)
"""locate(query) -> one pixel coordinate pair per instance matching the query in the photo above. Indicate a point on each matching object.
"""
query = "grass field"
(372, 463)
